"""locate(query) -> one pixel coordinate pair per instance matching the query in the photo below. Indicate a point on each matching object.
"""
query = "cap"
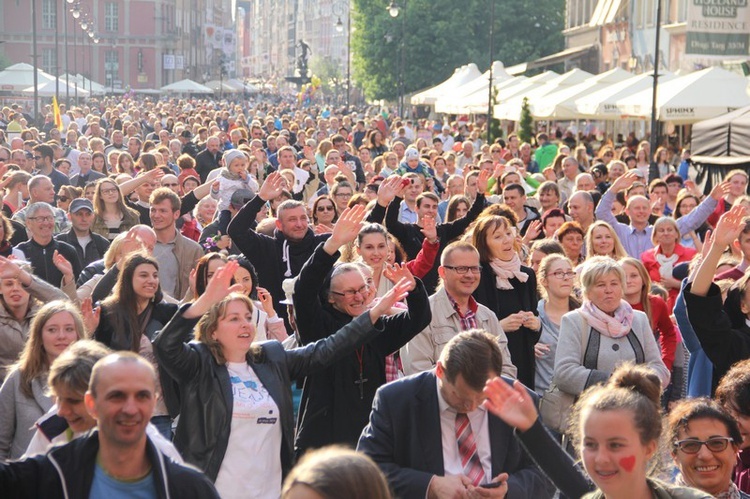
(81, 203)
(231, 155)
(240, 197)
(446, 128)
(411, 154)
(186, 134)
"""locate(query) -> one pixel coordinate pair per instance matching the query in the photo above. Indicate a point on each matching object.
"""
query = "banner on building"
(168, 61)
(718, 28)
(228, 43)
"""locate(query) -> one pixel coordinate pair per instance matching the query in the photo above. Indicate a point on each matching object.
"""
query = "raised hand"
(266, 301)
(346, 229)
(9, 269)
(624, 181)
(217, 289)
(429, 229)
(399, 272)
(389, 189)
(720, 190)
(729, 227)
(272, 187)
(513, 405)
(90, 315)
(153, 175)
(483, 180)
(396, 294)
(535, 228)
(63, 265)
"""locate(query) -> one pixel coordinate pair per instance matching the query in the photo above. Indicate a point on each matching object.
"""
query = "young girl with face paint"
(616, 428)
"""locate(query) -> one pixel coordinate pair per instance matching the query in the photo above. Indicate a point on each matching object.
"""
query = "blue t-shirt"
(106, 486)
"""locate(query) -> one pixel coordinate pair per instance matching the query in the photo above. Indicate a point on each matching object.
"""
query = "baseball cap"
(81, 203)
(186, 134)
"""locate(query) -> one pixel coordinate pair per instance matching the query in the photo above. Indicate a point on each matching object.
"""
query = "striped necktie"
(467, 449)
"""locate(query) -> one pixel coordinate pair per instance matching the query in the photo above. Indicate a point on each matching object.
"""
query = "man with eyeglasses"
(344, 391)
(42, 190)
(454, 310)
(54, 261)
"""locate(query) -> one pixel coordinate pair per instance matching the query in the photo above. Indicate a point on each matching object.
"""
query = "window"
(111, 15)
(49, 14)
(49, 61)
(681, 11)
(650, 13)
(111, 67)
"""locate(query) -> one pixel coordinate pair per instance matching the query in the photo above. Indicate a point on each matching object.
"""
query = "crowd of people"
(212, 299)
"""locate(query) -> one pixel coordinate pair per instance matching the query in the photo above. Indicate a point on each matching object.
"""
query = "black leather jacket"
(68, 471)
(206, 393)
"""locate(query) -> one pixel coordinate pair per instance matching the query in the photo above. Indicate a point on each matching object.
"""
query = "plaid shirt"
(468, 321)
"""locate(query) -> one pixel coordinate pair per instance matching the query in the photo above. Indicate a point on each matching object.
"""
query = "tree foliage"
(441, 35)
(526, 124)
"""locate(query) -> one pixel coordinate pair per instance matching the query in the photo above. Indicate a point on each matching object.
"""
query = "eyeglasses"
(109, 190)
(351, 293)
(462, 269)
(715, 444)
(170, 185)
(41, 219)
(324, 208)
(564, 275)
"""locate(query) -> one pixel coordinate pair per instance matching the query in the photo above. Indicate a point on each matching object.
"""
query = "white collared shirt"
(479, 427)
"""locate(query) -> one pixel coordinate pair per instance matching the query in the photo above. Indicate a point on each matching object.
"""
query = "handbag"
(556, 405)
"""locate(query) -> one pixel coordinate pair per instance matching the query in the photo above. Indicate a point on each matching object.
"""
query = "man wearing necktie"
(433, 438)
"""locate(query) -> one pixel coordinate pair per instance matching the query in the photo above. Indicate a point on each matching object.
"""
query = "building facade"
(141, 43)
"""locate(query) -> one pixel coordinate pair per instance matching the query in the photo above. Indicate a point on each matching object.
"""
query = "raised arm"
(700, 214)
(604, 208)
(129, 186)
(321, 354)
(308, 310)
(240, 228)
(451, 230)
(516, 408)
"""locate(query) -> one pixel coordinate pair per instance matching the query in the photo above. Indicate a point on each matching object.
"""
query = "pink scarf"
(613, 327)
(504, 271)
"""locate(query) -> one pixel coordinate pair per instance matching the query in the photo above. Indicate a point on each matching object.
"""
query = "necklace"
(361, 381)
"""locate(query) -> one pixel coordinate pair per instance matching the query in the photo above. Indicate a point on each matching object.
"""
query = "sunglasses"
(63, 199)
(324, 208)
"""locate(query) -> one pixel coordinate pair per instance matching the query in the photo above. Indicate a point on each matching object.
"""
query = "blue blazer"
(404, 439)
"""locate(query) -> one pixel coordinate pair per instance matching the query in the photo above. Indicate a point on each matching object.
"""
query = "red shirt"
(663, 328)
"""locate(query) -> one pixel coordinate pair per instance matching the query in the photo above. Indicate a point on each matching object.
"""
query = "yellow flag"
(58, 117)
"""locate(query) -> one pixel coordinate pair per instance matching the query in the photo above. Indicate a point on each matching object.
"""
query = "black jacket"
(41, 259)
(333, 409)
(267, 253)
(68, 471)
(504, 302)
(206, 399)
(410, 235)
(205, 162)
(94, 250)
(89, 271)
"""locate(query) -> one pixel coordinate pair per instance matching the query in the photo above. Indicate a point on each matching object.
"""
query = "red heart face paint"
(628, 463)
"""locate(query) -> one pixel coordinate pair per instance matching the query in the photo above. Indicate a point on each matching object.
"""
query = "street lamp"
(340, 28)
(394, 10)
(76, 10)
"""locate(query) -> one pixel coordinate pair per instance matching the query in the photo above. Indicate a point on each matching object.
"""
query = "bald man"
(118, 459)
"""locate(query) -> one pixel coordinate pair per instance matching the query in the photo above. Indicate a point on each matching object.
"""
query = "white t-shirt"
(252, 463)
